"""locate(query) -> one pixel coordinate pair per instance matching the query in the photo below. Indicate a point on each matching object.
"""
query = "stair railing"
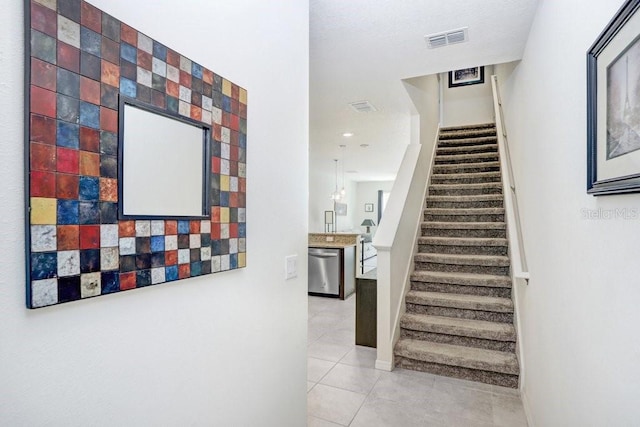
(516, 242)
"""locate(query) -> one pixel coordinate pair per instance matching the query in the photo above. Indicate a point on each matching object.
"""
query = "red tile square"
(110, 74)
(42, 157)
(89, 139)
(173, 89)
(233, 153)
(68, 57)
(67, 160)
(226, 120)
(207, 76)
(233, 168)
(89, 237)
(91, 17)
(90, 90)
(43, 102)
(170, 227)
(44, 19)
(89, 163)
(235, 91)
(173, 58)
(171, 258)
(158, 99)
(145, 60)
(242, 110)
(215, 214)
(215, 231)
(242, 185)
(108, 190)
(128, 35)
(196, 113)
(217, 132)
(234, 138)
(215, 164)
(42, 129)
(127, 229)
(242, 200)
(235, 106)
(233, 200)
(235, 122)
(68, 237)
(67, 186)
(184, 271)
(194, 227)
(185, 79)
(108, 119)
(43, 184)
(233, 230)
(43, 74)
(127, 281)
(110, 50)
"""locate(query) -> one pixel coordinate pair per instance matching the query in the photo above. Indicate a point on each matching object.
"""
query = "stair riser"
(455, 143)
(465, 205)
(458, 340)
(449, 179)
(488, 291)
(466, 149)
(495, 378)
(455, 232)
(460, 313)
(465, 218)
(462, 191)
(467, 134)
(463, 250)
(449, 160)
(455, 268)
(470, 168)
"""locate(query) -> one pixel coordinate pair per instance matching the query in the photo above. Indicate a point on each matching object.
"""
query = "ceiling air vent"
(446, 38)
(363, 107)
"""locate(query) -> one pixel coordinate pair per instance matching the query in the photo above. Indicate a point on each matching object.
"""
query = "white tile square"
(194, 241)
(233, 184)
(109, 259)
(226, 135)
(215, 264)
(205, 253)
(233, 246)
(109, 235)
(159, 67)
(44, 292)
(225, 263)
(185, 94)
(225, 168)
(353, 378)
(68, 31)
(328, 351)
(217, 115)
(43, 238)
(225, 150)
(144, 77)
(90, 285)
(333, 404)
(318, 368)
(171, 243)
(206, 117)
(158, 275)
(242, 215)
(173, 73)
(242, 170)
(207, 103)
(242, 245)
(185, 64)
(224, 231)
(184, 109)
(143, 228)
(68, 263)
(157, 227)
(145, 43)
(127, 246)
(51, 4)
(184, 256)
(205, 226)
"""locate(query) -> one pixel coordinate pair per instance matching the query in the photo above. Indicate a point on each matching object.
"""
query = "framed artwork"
(368, 207)
(466, 76)
(341, 209)
(613, 105)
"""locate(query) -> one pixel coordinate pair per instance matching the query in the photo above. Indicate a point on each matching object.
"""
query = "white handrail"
(516, 246)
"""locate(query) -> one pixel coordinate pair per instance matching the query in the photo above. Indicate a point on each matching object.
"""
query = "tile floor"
(344, 389)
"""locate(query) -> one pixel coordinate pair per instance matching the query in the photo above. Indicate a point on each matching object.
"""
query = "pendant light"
(336, 196)
(343, 191)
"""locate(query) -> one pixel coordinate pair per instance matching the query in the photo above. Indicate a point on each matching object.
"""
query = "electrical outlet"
(329, 238)
(290, 267)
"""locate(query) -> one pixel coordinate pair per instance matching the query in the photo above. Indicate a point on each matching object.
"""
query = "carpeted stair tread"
(461, 301)
(469, 175)
(466, 156)
(448, 225)
(465, 186)
(461, 327)
(463, 211)
(456, 166)
(454, 355)
(467, 148)
(462, 241)
(466, 133)
(464, 279)
(472, 126)
(467, 198)
(456, 259)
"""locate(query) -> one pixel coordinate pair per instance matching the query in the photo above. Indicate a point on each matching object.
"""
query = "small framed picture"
(341, 209)
(368, 207)
(466, 76)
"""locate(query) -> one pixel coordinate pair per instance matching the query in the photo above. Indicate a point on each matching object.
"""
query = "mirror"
(163, 164)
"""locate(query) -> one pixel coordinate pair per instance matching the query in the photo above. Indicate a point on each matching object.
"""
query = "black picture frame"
(466, 76)
(598, 100)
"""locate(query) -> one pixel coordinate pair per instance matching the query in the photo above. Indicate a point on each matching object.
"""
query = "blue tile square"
(108, 143)
(196, 70)
(172, 104)
(224, 198)
(89, 115)
(157, 259)
(171, 273)
(68, 212)
(242, 140)
(233, 261)
(90, 188)
(216, 247)
(89, 260)
(90, 41)
(143, 278)
(43, 47)
(242, 229)
(128, 87)
(89, 213)
(157, 243)
(206, 267)
(67, 135)
(183, 227)
(128, 53)
(196, 269)
(110, 282)
(68, 83)
(226, 104)
(68, 108)
(108, 213)
(44, 265)
(69, 289)
(159, 51)
(205, 239)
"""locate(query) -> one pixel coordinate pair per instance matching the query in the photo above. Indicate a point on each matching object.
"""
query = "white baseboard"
(384, 366)
(525, 405)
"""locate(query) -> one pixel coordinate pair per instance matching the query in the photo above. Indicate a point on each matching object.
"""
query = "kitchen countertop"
(331, 245)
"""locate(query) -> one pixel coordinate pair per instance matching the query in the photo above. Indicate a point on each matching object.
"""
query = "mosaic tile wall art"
(79, 60)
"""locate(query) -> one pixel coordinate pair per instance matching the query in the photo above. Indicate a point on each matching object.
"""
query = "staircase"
(459, 312)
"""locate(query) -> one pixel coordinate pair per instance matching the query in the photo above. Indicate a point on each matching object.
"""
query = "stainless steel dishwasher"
(324, 272)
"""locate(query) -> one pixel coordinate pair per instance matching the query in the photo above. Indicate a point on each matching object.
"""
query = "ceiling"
(363, 49)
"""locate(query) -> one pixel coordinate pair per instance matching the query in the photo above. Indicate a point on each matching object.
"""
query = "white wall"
(224, 349)
(322, 183)
(580, 311)
(368, 193)
(472, 104)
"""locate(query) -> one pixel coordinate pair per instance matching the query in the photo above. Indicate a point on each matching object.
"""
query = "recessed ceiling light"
(347, 134)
